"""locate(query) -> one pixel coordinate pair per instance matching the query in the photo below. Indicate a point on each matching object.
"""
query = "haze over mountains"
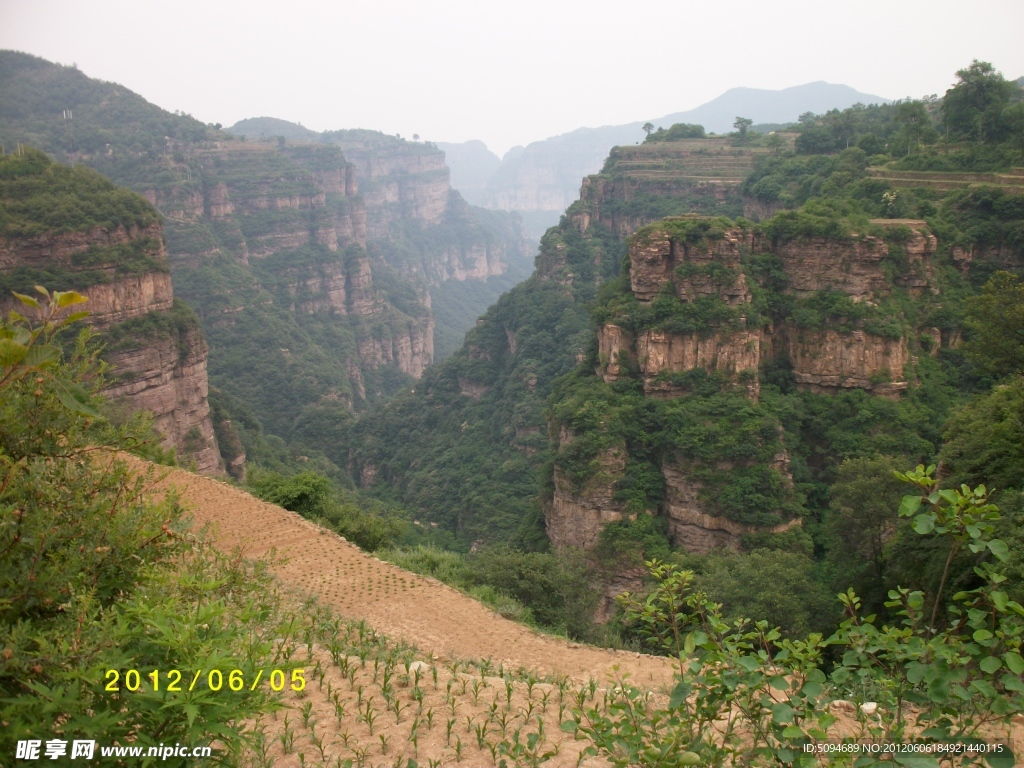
(540, 180)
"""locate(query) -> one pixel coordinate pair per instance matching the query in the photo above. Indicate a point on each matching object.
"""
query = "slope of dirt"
(420, 611)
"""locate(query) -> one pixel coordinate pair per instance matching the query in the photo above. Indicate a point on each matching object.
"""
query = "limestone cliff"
(165, 373)
(827, 361)
(689, 176)
(856, 265)
(575, 515)
(688, 307)
(156, 352)
(691, 528)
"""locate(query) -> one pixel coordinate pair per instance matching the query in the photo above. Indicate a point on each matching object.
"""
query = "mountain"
(472, 164)
(542, 179)
(670, 372)
(312, 292)
(458, 258)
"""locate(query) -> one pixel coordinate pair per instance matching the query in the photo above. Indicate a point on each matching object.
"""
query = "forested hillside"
(312, 292)
(728, 381)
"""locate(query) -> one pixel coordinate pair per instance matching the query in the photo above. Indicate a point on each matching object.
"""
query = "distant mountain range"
(541, 180)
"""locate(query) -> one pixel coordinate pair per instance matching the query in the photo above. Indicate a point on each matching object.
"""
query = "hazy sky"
(504, 72)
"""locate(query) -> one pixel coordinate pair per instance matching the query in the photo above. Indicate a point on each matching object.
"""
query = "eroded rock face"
(855, 266)
(828, 361)
(576, 516)
(164, 374)
(711, 269)
(172, 385)
(691, 528)
(730, 353)
(410, 348)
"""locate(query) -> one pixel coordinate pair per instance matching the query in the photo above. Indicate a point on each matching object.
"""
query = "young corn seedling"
(480, 730)
(307, 713)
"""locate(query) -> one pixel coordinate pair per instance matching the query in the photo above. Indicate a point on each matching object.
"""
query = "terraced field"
(1012, 182)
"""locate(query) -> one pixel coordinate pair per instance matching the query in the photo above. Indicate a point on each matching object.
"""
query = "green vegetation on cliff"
(41, 197)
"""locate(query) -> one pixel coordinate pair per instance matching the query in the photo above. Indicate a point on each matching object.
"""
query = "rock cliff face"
(690, 176)
(409, 346)
(708, 269)
(828, 361)
(855, 266)
(398, 178)
(692, 260)
(167, 376)
(164, 373)
(691, 528)
(574, 517)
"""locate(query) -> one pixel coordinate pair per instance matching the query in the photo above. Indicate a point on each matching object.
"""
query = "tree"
(862, 521)
(995, 320)
(916, 123)
(973, 106)
(742, 124)
(648, 128)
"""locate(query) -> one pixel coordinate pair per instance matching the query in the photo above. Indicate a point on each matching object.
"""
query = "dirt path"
(423, 612)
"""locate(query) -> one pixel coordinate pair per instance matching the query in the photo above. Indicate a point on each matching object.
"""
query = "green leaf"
(11, 352)
(782, 713)
(74, 398)
(41, 356)
(812, 690)
(74, 317)
(1003, 759)
(749, 663)
(67, 298)
(28, 301)
(999, 600)
(916, 761)
(924, 524)
(1014, 662)
(840, 675)
(909, 505)
(999, 549)
(570, 726)
(984, 687)
(689, 758)
(948, 495)
(990, 665)
(679, 694)
(792, 732)
(689, 646)
(816, 675)
(981, 635)
(915, 672)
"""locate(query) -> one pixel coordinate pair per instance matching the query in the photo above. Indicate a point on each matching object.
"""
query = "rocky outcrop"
(165, 372)
(397, 178)
(828, 361)
(732, 353)
(691, 528)
(855, 266)
(343, 287)
(705, 268)
(167, 377)
(576, 516)
(408, 345)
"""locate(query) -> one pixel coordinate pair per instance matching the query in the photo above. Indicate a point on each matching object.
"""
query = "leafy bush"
(95, 575)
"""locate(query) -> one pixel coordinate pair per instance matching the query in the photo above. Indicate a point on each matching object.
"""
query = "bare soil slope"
(404, 606)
